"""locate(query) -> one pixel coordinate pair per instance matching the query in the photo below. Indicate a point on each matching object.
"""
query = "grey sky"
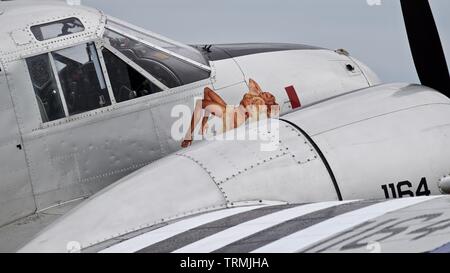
(373, 34)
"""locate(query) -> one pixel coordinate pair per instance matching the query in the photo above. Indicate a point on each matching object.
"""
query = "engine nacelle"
(384, 142)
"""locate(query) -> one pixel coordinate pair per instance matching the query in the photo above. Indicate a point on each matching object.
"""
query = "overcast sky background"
(373, 34)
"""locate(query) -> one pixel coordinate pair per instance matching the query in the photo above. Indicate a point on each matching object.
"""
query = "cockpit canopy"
(171, 63)
(83, 60)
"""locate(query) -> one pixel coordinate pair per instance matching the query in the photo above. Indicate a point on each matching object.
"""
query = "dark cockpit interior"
(167, 69)
(81, 78)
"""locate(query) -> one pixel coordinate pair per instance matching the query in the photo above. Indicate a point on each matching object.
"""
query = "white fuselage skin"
(349, 147)
(349, 140)
(46, 163)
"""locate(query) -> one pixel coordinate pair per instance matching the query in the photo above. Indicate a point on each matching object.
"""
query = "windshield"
(157, 56)
(157, 40)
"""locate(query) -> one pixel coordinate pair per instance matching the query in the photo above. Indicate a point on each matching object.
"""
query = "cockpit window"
(68, 81)
(57, 29)
(132, 50)
(165, 61)
(181, 49)
(126, 82)
(81, 78)
(45, 87)
(170, 71)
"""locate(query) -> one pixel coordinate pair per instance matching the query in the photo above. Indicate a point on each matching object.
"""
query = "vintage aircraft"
(91, 99)
(87, 98)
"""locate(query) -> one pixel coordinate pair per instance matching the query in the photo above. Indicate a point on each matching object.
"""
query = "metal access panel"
(16, 194)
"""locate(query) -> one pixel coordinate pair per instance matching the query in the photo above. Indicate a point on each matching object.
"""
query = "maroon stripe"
(293, 98)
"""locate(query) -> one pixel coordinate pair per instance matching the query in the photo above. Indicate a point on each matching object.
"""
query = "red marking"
(293, 98)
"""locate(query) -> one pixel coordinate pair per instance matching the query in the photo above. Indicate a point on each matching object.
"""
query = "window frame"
(58, 84)
(55, 82)
(54, 69)
(104, 74)
(53, 22)
(99, 44)
(147, 43)
(98, 48)
(135, 66)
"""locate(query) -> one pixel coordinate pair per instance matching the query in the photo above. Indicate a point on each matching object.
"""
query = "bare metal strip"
(98, 46)
(58, 83)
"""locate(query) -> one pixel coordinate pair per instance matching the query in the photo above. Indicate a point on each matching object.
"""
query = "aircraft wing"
(420, 224)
